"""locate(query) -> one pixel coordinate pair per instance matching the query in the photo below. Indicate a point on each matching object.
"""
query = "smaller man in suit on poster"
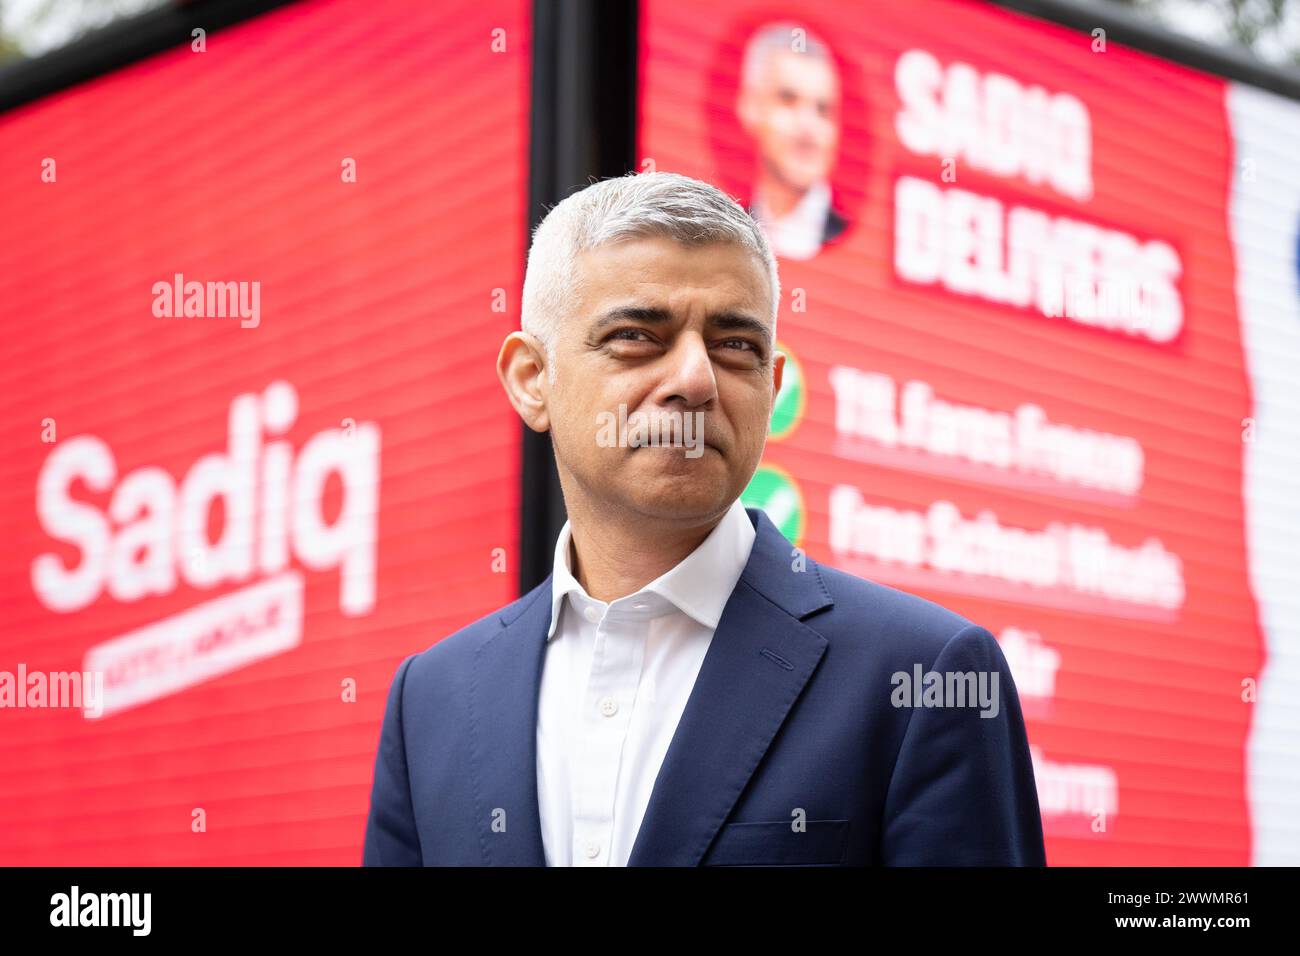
(789, 105)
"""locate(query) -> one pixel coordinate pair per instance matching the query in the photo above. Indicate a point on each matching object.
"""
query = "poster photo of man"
(789, 104)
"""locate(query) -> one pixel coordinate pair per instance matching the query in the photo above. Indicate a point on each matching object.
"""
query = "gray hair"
(786, 37)
(635, 206)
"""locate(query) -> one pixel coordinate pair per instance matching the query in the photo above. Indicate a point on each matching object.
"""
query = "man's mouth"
(679, 447)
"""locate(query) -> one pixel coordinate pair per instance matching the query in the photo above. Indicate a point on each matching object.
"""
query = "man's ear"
(778, 370)
(747, 109)
(521, 366)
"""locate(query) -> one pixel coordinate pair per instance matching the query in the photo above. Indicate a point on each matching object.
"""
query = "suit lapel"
(756, 667)
(503, 735)
(758, 662)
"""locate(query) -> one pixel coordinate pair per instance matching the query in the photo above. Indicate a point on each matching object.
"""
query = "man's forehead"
(662, 272)
(803, 71)
(637, 310)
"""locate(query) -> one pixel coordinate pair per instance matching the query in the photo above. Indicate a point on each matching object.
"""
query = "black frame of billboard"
(1126, 28)
(120, 44)
(583, 126)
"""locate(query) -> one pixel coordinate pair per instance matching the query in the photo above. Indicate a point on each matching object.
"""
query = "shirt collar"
(798, 234)
(699, 585)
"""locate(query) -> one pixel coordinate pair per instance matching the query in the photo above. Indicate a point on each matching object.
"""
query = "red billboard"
(1019, 381)
(253, 292)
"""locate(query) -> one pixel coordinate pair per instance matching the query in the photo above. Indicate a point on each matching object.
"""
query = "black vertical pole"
(583, 128)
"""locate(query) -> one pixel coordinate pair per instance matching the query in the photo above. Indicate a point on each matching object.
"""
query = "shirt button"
(608, 706)
(592, 849)
(591, 614)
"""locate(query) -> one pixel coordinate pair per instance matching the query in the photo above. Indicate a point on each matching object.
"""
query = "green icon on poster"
(787, 410)
(773, 490)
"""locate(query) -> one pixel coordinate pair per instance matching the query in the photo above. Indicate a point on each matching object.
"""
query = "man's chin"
(680, 509)
(802, 178)
(665, 483)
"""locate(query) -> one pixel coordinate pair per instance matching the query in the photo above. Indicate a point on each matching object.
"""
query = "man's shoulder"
(884, 617)
(834, 226)
(457, 649)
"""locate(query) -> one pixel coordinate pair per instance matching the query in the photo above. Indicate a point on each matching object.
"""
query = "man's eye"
(743, 343)
(626, 335)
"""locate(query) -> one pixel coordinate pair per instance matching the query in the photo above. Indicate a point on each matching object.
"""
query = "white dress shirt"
(615, 681)
(798, 234)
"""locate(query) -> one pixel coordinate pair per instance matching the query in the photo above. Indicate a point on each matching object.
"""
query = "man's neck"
(612, 560)
(777, 197)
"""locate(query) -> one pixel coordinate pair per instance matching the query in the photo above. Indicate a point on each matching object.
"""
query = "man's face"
(664, 327)
(792, 112)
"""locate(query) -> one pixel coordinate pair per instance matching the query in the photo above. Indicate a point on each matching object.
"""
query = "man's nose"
(810, 116)
(689, 377)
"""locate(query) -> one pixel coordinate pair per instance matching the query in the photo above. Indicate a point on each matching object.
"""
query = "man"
(685, 688)
(789, 105)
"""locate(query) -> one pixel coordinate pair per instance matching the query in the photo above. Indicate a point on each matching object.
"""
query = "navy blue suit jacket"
(793, 710)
